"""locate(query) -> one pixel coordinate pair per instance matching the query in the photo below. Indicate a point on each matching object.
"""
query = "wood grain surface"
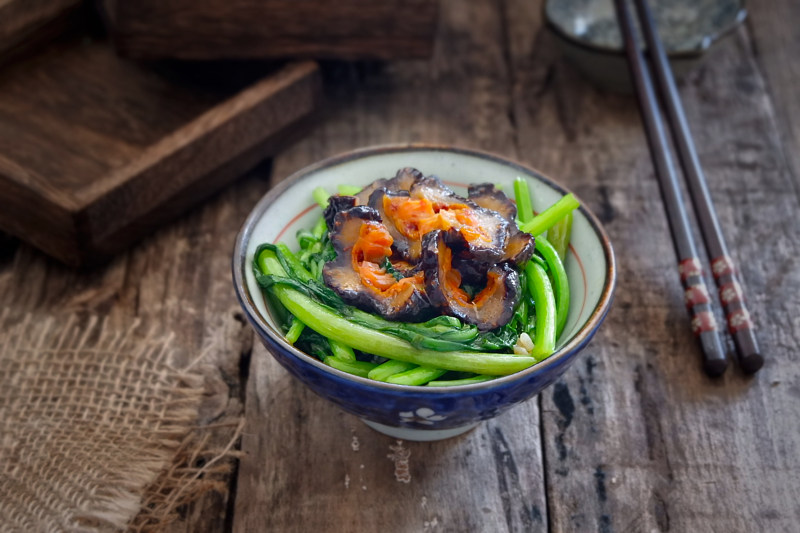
(214, 29)
(95, 151)
(24, 24)
(634, 437)
(775, 40)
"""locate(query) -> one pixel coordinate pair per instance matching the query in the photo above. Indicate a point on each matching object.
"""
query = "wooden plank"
(24, 24)
(636, 437)
(308, 465)
(218, 29)
(95, 151)
(775, 39)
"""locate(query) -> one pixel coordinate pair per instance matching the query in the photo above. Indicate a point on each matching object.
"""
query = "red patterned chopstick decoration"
(696, 296)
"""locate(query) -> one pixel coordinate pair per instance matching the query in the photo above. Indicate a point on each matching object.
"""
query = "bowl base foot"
(419, 434)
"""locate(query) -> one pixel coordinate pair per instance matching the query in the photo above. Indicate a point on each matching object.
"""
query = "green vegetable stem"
(327, 322)
(321, 196)
(544, 220)
(391, 367)
(559, 235)
(464, 381)
(348, 190)
(523, 198)
(544, 342)
(341, 351)
(558, 276)
(358, 368)
(295, 330)
(416, 376)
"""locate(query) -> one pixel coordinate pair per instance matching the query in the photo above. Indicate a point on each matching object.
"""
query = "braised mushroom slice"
(491, 307)
(520, 245)
(362, 244)
(519, 248)
(406, 245)
(337, 203)
(484, 231)
(486, 195)
(402, 181)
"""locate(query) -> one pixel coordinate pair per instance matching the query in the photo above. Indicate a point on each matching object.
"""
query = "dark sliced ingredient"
(491, 307)
(488, 196)
(404, 248)
(402, 181)
(362, 244)
(432, 206)
(337, 203)
(519, 248)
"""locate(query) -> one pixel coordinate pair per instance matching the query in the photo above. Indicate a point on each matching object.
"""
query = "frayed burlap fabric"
(91, 418)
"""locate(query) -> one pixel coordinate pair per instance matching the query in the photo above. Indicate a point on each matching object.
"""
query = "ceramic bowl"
(411, 412)
(588, 36)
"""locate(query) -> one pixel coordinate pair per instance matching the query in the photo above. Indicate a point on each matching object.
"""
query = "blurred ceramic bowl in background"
(588, 36)
(413, 412)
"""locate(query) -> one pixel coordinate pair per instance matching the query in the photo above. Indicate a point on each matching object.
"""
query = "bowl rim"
(240, 263)
(693, 53)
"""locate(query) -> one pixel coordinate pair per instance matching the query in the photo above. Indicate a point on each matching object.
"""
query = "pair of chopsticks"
(697, 298)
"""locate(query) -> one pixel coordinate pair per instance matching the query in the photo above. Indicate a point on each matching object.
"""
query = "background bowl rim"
(240, 263)
(706, 43)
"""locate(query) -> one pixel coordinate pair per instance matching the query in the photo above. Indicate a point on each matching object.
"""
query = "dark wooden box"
(221, 29)
(96, 151)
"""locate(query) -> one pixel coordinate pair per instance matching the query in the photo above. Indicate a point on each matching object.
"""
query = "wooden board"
(632, 438)
(636, 437)
(775, 40)
(213, 29)
(27, 23)
(95, 151)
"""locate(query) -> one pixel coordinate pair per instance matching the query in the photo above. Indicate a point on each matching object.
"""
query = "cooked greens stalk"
(544, 220)
(523, 198)
(321, 196)
(464, 381)
(358, 368)
(391, 367)
(327, 322)
(559, 235)
(558, 276)
(295, 330)
(341, 351)
(320, 228)
(416, 376)
(292, 264)
(544, 341)
(348, 190)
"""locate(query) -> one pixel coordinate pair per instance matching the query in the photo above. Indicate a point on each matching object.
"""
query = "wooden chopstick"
(691, 273)
(722, 267)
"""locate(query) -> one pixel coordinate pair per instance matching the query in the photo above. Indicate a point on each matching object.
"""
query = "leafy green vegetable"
(328, 323)
(390, 269)
(319, 322)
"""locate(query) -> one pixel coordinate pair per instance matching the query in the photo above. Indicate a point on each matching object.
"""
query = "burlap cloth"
(97, 431)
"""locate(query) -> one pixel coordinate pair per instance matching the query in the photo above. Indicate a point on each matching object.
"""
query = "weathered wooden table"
(634, 437)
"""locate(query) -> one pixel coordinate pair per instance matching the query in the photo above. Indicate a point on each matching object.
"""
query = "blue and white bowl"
(410, 412)
(588, 35)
